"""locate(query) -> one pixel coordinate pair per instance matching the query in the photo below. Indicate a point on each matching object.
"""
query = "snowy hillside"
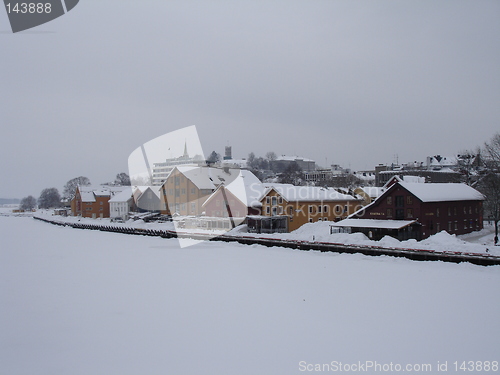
(91, 302)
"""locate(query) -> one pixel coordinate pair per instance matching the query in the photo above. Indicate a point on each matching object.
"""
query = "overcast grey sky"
(346, 82)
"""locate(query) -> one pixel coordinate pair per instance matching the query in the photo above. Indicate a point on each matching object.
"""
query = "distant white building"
(163, 169)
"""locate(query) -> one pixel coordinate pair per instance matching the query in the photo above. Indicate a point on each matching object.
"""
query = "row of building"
(207, 197)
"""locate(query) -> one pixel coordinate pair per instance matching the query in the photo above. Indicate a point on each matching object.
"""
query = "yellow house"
(188, 187)
(307, 204)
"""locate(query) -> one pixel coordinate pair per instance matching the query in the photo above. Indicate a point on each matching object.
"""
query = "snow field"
(80, 302)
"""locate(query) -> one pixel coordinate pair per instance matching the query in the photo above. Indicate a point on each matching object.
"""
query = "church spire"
(186, 155)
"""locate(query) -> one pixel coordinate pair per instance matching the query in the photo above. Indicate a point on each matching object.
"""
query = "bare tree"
(271, 156)
(490, 187)
(469, 162)
(292, 175)
(28, 203)
(490, 183)
(213, 158)
(122, 179)
(70, 187)
(49, 198)
(493, 150)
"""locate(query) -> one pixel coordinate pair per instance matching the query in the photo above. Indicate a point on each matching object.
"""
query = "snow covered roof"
(439, 192)
(154, 189)
(123, 196)
(87, 196)
(247, 188)
(293, 193)
(88, 193)
(373, 223)
(207, 177)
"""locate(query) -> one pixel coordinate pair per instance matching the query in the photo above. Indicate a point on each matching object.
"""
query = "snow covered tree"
(271, 156)
(213, 158)
(490, 187)
(70, 187)
(28, 203)
(49, 198)
(489, 184)
(122, 179)
(469, 162)
(493, 150)
(292, 175)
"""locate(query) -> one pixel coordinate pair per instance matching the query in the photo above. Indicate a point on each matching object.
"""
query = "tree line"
(51, 198)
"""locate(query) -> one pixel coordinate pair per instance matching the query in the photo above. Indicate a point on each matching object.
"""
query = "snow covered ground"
(90, 302)
(477, 242)
(473, 243)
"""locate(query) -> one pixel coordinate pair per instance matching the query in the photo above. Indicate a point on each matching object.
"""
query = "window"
(465, 224)
(100, 203)
(338, 209)
(311, 220)
(449, 226)
(449, 211)
(399, 201)
(437, 212)
(470, 210)
(268, 200)
(274, 201)
(456, 225)
(389, 200)
(311, 209)
(177, 193)
(465, 210)
(409, 199)
(177, 180)
(280, 200)
(193, 207)
(345, 209)
(455, 211)
(389, 212)
(438, 227)
(280, 210)
(291, 210)
(325, 209)
(193, 191)
(183, 191)
(320, 209)
(268, 210)
(409, 213)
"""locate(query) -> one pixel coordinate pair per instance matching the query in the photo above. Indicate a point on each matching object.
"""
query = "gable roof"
(293, 193)
(123, 196)
(89, 193)
(247, 188)
(442, 192)
(207, 177)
